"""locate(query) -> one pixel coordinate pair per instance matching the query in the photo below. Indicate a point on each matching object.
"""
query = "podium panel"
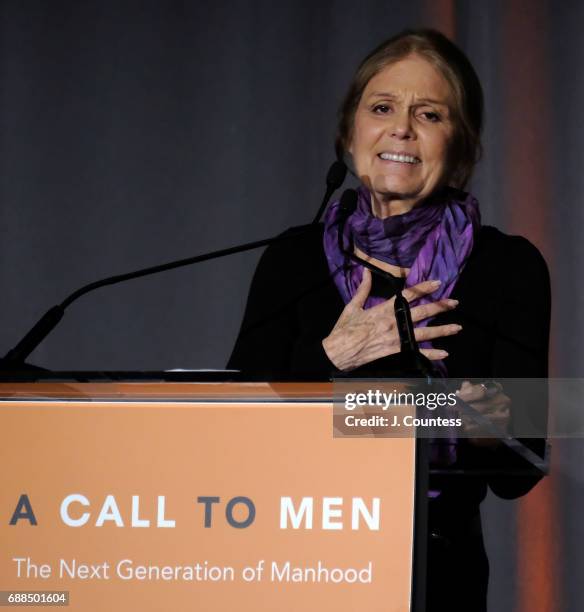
(201, 497)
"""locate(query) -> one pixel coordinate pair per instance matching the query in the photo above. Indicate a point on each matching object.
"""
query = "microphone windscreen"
(348, 202)
(336, 175)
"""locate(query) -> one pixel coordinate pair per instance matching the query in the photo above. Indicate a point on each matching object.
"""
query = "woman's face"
(401, 134)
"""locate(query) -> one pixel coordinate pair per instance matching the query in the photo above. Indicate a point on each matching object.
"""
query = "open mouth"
(399, 157)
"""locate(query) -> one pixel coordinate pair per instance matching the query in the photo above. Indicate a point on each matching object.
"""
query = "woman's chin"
(393, 189)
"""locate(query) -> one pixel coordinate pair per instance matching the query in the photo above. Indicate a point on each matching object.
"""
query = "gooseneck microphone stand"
(52, 317)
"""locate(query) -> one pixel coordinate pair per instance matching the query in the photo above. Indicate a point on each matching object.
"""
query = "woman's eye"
(381, 109)
(431, 116)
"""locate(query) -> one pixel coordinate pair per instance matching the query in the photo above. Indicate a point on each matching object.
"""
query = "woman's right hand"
(361, 336)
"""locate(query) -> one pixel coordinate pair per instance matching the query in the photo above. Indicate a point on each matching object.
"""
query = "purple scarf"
(434, 240)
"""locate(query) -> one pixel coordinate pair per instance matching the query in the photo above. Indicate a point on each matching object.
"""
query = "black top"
(504, 294)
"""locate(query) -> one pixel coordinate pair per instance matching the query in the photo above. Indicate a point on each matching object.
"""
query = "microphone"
(334, 179)
(408, 345)
(16, 356)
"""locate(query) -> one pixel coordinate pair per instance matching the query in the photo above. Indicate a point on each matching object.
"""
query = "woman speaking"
(410, 125)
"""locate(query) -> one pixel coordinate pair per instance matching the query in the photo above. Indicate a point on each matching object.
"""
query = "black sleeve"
(521, 351)
(266, 347)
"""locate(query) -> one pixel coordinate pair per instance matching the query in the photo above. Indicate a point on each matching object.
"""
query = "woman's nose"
(401, 126)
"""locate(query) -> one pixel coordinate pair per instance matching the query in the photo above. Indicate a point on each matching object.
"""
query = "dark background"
(132, 133)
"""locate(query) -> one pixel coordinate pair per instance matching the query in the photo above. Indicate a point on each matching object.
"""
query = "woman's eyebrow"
(381, 94)
(431, 101)
(391, 96)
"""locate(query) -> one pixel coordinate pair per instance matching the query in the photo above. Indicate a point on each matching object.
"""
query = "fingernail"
(442, 354)
(452, 303)
(457, 327)
(436, 283)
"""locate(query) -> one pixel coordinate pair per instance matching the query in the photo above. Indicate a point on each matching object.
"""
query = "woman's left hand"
(492, 403)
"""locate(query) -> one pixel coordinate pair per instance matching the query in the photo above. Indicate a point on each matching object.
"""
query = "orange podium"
(202, 496)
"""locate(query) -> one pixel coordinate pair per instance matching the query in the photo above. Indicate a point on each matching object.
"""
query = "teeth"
(407, 159)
